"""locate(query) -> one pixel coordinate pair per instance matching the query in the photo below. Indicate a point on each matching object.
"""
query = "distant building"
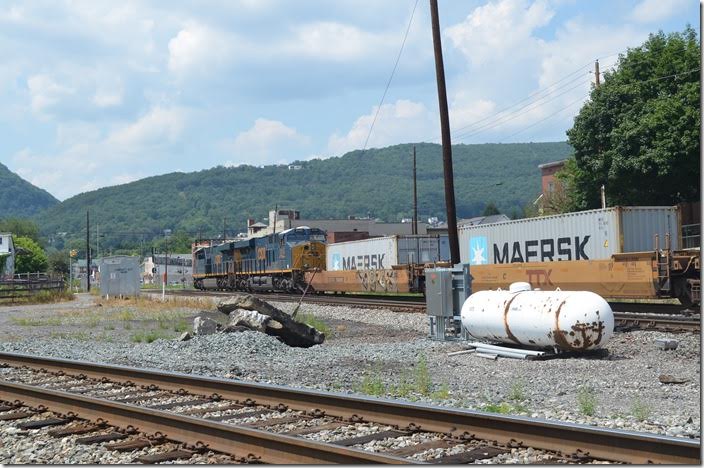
(7, 252)
(180, 269)
(550, 184)
(497, 218)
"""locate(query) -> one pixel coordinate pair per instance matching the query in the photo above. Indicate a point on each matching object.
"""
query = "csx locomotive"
(276, 262)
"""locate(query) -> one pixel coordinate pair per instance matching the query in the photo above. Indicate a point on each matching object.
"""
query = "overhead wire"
(393, 71)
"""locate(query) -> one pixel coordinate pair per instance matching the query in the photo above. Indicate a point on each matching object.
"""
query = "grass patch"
(641, 411)
(500, 408)
(150, 336)
(181, 326)
(41, 297)
(587, 401)
(35, 322)
(410, 385)
(313, 321)
(149, 304)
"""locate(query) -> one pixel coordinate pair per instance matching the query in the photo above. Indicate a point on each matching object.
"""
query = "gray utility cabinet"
(446, 290)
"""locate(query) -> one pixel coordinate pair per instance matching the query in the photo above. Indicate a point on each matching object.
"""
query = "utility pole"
(445, 133)
(97, 240)
(224, 221)
(596, 73)
(87, 251)
(414, 225)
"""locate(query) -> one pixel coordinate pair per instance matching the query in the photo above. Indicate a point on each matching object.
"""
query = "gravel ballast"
(387, 353)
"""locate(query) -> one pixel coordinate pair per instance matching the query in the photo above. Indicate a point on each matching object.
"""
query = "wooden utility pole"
(445, 133)
(414, 224)
(596, 73)
(87, 251)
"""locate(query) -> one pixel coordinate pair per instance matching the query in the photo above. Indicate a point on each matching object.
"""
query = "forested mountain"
(376, 182)
(19, 198)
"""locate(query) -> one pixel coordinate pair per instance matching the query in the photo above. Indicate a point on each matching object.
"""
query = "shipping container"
(381, 253)
(584, 235)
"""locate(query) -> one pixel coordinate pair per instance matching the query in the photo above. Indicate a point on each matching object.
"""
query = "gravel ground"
(388, 353)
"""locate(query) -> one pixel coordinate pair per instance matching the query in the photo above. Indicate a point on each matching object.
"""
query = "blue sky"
(97, 93)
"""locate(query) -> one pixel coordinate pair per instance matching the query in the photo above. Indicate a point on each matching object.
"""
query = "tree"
(490, 209)
(20, 227)
(58, 262)
(31, 258)
(639, 133)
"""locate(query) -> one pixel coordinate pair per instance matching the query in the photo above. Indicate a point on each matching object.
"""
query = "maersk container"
(382, 253)
(583, 235)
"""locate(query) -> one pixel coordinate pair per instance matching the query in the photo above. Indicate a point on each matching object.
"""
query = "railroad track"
(627, 315)
(130, 408)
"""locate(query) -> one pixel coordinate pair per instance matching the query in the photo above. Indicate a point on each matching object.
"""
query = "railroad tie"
(11, 416)
(479, 453)
(38, 424)
(136, 398)
(129, 445)
(7, 408)
(391, 434)
(202, 411)
(73, 430)
(175, 404)
(313, 429)
(422, 447)
(96, 439)
(276, 421)
(247, 414)
(166, 456)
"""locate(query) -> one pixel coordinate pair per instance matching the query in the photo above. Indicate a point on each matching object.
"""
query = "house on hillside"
(7, 255)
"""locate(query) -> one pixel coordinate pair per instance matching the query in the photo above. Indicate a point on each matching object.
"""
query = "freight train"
(614, 252)
(276, 262)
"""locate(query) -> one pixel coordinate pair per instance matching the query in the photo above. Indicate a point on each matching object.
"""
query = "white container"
(583, 235)
(566, 320)
(382, 253)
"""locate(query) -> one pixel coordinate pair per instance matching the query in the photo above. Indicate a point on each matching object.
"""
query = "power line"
(548, 117)
(519, 112)
(393, 71)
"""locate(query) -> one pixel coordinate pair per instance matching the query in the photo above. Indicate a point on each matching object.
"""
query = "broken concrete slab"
(204, 326)
(277, 323)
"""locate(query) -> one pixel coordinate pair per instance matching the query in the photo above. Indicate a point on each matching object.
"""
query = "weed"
(442, 393)
(517, 392)
(372, 384)
(124, 315)
(149, 336)
(181, 326)
(641, 411)
(422, 377)
(93, 321)
(127, 326)
(587, 401)
(35, 322)
(313, 321)
(109, 327)
(501, 408)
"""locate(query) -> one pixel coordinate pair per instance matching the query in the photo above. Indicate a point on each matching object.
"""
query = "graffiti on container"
(377, 280)
(542, 250)
(538, 278)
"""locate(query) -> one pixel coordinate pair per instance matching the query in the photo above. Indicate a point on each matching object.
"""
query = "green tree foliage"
(376, 182)
(20, 198)
(58, 262)
(20, 227)
(490, 209)
(639, 133)
(32, 259)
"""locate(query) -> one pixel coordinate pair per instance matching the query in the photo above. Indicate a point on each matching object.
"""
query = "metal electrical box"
(446, 289)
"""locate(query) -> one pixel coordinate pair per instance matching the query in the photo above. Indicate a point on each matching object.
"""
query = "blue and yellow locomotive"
(276, 262)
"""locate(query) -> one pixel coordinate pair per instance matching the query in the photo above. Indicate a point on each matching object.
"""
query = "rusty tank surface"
(560, 320)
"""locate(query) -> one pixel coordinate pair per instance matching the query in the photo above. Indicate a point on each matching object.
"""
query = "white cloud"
(197, 49)
(401, 122)
(267, 141)
(45, 93)
(333, 41)
(159, 125)
(499, 28)
(651, 11)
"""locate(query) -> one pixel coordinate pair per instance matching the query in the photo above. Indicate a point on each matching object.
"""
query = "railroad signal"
(73, 253)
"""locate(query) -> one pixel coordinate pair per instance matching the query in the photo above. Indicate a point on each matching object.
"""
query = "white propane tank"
(566, 320)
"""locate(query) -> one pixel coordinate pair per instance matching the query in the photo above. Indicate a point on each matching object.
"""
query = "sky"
(96, 93)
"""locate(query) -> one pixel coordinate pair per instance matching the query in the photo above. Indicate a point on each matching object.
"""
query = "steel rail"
(240, 441)
(608, 444)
